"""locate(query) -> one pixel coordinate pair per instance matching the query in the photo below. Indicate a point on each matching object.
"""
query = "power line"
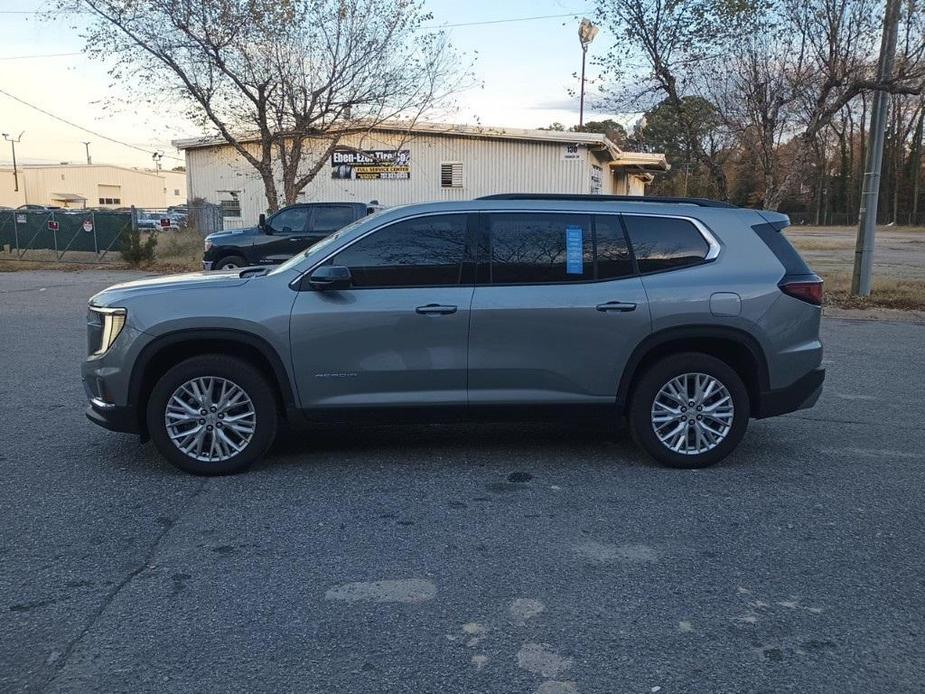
(500, 21)
(38, 55)
(432, 26)
(80, 127)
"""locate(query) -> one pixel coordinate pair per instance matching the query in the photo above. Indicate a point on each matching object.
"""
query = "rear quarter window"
(773, 237)
(665, 243)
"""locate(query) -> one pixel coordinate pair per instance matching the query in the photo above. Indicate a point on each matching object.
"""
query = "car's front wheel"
(689, 410)
(212, 415)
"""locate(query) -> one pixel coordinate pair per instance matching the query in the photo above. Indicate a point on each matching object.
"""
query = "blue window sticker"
(574, 251)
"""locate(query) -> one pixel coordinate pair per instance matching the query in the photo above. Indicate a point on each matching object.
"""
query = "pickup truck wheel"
(230, 262)
(689, 410)
(212, 415)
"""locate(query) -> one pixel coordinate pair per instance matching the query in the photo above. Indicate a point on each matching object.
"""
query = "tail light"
(809, 291)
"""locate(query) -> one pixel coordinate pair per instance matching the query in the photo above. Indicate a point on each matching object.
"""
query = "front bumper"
(108, 415)
(113, 417)
(207, 264)
(800, 395)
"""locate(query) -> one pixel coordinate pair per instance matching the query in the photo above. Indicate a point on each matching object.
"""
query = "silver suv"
(687, 317)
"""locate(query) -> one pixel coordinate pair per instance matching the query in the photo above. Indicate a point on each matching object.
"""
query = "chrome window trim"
(713, 245)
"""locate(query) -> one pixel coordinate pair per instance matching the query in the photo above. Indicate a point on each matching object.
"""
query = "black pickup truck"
(282, 235)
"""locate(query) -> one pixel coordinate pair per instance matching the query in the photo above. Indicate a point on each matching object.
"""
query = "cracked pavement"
(465, 558)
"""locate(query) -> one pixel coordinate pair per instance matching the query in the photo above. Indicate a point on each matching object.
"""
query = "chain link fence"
(93, 236)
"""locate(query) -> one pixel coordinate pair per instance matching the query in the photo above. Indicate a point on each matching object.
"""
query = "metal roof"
(619, 158)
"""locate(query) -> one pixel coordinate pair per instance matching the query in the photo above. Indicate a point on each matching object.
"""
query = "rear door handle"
(435, 309)
(620, 306)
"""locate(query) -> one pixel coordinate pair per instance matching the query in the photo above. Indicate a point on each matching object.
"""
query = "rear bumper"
(798, 396)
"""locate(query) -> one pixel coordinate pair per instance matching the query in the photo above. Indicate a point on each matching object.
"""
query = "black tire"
(239, 373)
(230, 262)
(658, 375)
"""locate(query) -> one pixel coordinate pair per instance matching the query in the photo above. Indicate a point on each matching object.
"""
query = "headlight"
(207, 245)
(112, 321)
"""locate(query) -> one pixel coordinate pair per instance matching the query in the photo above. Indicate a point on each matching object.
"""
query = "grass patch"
(178, 251)
(817, 244)
(902, 294)
(853, 228)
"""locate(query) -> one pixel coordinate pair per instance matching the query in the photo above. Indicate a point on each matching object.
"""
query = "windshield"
(324, 243)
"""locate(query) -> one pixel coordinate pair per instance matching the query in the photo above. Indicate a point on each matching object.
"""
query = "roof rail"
(700, 202)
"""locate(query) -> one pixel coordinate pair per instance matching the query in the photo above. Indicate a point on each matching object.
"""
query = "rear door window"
(527, 248)
(665, 243)
(612, 252)
(329, 218)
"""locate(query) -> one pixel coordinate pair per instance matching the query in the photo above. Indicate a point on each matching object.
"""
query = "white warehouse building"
(431, 162)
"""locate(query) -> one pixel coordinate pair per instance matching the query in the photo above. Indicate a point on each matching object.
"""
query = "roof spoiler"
(778, 220)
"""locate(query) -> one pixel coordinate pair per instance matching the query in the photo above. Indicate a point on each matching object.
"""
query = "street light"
(86, 145)
(586, 33)
(8, 138)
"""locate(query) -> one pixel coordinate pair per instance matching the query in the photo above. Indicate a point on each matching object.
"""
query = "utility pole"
(586, 33)
(87, 147)
(870, 193)
(13, 143)
(157, 156)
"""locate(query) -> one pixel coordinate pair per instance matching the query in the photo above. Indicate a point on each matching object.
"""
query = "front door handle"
(435, 309)
(620, 306)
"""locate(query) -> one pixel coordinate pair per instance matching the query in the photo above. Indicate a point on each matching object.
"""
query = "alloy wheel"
(210, 419)
(692, 413)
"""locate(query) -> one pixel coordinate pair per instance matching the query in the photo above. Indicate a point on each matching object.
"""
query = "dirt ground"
(899, 266)
(899, 252)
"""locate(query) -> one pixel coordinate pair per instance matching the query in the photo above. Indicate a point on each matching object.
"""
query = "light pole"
(586, 33)
(8, 138)
(870, 191)
(87, 147)
(157, 156)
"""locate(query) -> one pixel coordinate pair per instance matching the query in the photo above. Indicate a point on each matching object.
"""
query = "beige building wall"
(174, 187)
(101, 185)
(8, 195)
(489, 165)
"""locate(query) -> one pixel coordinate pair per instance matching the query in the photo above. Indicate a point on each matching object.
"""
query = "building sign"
(597, 180)
(570, 153)
(371, 165)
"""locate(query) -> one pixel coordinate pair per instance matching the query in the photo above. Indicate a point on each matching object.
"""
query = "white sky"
(527, 68)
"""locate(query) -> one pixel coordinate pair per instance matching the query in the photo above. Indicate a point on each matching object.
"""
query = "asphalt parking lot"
(460, 558)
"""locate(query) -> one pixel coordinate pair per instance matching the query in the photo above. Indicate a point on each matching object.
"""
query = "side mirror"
(330, 277)
(262, 224)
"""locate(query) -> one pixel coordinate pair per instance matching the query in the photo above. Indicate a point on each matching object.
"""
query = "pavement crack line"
(113, 593)
(832, 420)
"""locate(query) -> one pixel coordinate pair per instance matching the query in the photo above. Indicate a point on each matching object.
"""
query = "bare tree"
(660, 56)
(776, 71)
(754, 98)
(282, 81)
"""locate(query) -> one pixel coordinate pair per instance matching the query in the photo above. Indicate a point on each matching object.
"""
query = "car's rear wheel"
(230, 262)
(212, 415)
(689, 410)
